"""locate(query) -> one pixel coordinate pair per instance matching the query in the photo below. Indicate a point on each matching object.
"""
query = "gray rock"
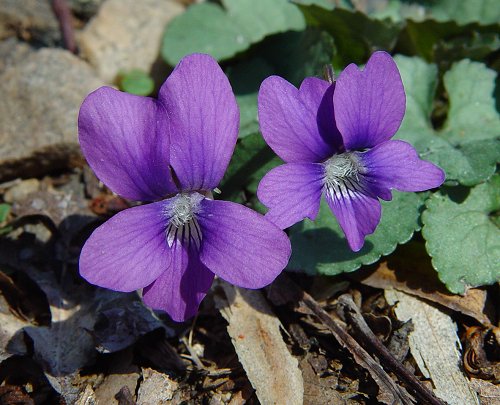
(126, 35)
(41, 97)
(31, 20)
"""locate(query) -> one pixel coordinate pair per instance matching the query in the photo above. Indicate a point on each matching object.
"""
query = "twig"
(375, 346)
(194, 357)
(63, 14)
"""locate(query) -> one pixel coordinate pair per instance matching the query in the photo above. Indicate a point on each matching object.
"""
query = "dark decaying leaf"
(482, 353)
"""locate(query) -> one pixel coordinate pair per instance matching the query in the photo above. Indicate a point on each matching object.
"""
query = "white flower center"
(183, 225)
(342, 172)
(183, 208)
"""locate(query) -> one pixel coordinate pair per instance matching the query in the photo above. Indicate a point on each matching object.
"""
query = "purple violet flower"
(172, 152)
(335, 139)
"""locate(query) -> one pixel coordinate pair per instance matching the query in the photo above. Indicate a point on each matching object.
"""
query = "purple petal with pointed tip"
(128, 251)
(292, 192)
(358, 215)
(204, 119)
(125, 141)
(240, 245)
(180, 290)
(396, 165)
(294, 122)
(369, 104)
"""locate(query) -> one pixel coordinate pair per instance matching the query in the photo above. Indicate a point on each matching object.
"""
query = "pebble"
(126, 35)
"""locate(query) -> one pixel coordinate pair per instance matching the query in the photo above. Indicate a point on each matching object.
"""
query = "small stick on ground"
(63, 14)
(194, 357)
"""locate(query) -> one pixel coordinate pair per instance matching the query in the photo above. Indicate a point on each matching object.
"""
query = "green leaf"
(467, 147)
(356, 35)
(321, 247)
(259, 18)
(469, 163)
(476, 44)
(472, 113)
(434, 30)
(463, 238)
(222, 33)
(137, 82)
(432, 40)
(463, 12)
(297, 55)
(245, 78)
(204, 28)
(4, 212)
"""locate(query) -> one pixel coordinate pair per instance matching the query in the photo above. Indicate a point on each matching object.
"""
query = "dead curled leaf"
(476, 361)
(422, 282)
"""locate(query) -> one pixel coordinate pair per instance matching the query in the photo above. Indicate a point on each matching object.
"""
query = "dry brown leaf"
(255, 333)
(433, 344)
(418, 282)
(476, 361)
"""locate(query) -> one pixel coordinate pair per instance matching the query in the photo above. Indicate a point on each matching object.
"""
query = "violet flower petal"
(396, 165)
(129, 251)
(358, 215)
(180, 290)
(125, 141)
(292, 192)
(204, 119)
(292, 122)
(369, 104)
(240, 245)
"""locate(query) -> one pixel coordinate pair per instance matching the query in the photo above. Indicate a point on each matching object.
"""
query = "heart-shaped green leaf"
(467, 147)
(224, 32)
(463, 236)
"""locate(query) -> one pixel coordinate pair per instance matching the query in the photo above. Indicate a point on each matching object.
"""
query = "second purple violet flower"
(335, 141)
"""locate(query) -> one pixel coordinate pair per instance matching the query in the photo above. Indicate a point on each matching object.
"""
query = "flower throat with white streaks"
(183, 225)
(341, 172)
